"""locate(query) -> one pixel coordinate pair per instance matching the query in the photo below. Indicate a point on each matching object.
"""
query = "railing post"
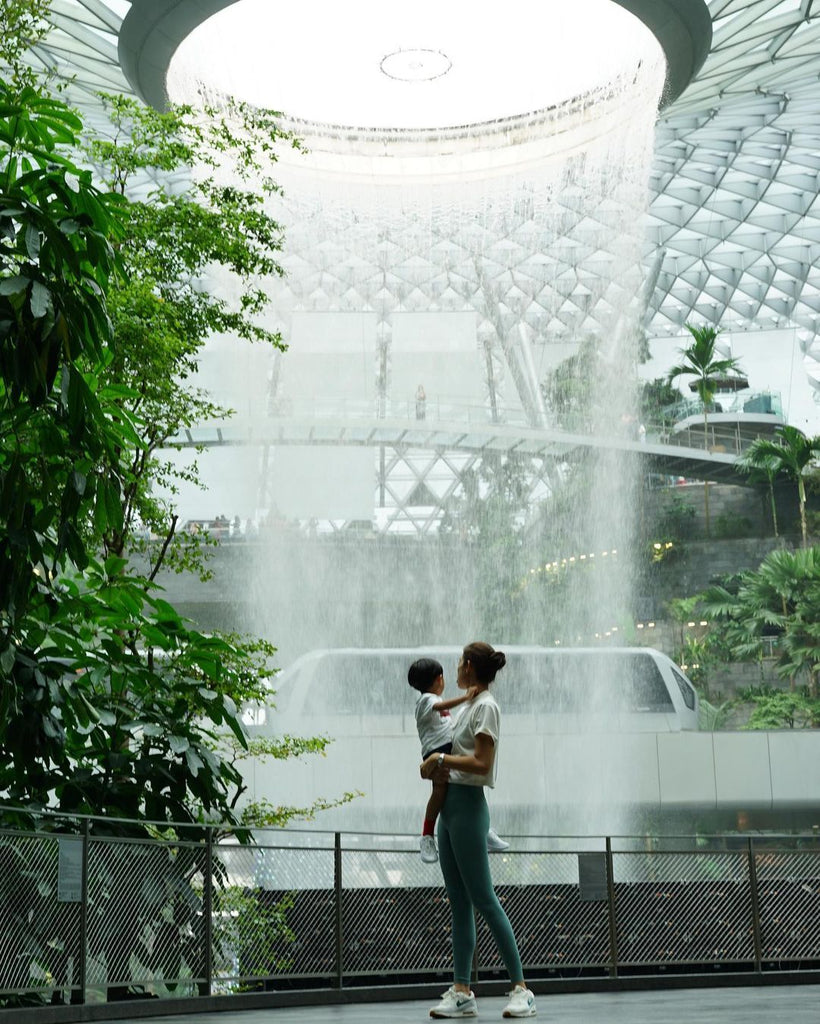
(337, 907)
(757, 935)
(610, 899)
(208, 910)
(83, 951)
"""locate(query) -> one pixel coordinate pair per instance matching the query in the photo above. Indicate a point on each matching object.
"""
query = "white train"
(582, 738)
(541, 689)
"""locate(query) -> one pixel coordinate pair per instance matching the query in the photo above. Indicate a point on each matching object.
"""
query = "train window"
(686, 690)
(592, 682)
(358, 683)
(372, 682)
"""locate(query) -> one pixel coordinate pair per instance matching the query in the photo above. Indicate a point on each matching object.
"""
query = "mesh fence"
(788, 886)
(294, 909)
(39, 919)
(274, 913)
(554, 924)
(145, 916)
(683, 908)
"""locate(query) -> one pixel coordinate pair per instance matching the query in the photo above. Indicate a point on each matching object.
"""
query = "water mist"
(508, 285)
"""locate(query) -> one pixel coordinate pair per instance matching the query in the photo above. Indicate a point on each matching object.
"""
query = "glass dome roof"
(434, 65)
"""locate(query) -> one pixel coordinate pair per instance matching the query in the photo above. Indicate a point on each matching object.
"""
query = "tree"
(776, 709)
(789, 455)
(762, 476)
(569, 388)
(110, 703)
(781, 598)
(701, 363)
(22, 25)
(656, 396)
(488, 510)
(161, 314)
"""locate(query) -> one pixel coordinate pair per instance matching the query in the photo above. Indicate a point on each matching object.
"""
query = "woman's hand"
(430, 769)
(472, 692)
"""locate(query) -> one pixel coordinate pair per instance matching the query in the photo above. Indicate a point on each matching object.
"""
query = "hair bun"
(499, 659)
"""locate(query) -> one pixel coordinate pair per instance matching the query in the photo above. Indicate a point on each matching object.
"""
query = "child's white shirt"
(435, 728)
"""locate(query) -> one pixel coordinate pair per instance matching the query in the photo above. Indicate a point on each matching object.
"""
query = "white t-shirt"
(481, 715)
(435, 727)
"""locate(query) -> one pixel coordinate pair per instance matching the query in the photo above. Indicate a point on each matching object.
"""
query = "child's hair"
(423, 673)
(485, 660)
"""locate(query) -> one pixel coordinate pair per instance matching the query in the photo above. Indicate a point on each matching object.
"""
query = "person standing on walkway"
(421, 402)
(462, 837)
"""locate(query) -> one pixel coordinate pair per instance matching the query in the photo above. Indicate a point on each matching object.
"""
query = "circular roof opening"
(430, 65)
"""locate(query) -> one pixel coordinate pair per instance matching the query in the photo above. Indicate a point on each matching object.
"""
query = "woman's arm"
(479, 762)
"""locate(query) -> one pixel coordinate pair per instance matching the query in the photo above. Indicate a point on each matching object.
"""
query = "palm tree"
(789, 454)
(700, 363)
(782, 597)
(760, 475)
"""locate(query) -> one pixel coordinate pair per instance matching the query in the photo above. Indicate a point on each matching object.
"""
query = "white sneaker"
(427, 849)
(521, 1004)
(495, 844)
(455, 1004)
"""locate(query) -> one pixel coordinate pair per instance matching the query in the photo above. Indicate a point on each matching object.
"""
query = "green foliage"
(790, 454)
(677, 518)
(701, 364)
(489, 509)
(813, 522)
(779, 709)
(568, 389)
(251, 931)
(781, 598)
(665, 551)
(22, 26)
(655, 397)
(697, 659)
(110, 703)
(58, 423)
(161, 314)
(727, 525)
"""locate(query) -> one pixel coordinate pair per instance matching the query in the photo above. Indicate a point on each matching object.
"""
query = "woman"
(462, 837)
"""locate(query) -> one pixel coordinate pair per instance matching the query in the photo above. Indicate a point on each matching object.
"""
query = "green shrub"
(727, 525)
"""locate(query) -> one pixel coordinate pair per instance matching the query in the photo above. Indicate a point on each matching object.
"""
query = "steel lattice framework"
(733, 227)
(737, 160)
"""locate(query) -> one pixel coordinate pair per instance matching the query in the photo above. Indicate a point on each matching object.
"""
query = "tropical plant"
(218, 226)
(22, 26)
(790, 454)
(781, 598)
(489, 510)
(761, 476)
(700, 362)
(779, 709)
(110, 702)
(569, 388)
(656, 396)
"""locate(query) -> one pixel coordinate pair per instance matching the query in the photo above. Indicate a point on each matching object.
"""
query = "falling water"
(480, 278)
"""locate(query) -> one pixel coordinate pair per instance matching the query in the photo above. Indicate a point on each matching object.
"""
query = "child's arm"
(445, 705)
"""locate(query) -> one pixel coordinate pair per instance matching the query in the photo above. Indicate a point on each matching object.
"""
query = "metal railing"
(733, 433)
(88, 917)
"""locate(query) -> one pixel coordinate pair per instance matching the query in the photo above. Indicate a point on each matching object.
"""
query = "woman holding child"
(462, 836)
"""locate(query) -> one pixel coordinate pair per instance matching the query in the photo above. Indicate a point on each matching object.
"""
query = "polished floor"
(791, 1004)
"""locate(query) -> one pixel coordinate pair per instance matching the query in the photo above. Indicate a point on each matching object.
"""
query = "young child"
(435, 729)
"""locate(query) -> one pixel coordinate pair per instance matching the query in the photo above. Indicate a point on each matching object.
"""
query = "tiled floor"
(776, 1004)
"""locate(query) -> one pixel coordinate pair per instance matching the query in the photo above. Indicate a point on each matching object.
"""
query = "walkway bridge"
(691, 452)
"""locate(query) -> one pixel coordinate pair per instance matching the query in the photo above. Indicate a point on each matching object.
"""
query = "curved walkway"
(665, 459)
(753, 1004)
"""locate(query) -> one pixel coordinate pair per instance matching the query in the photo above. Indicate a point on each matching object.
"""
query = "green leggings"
(465, 864)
